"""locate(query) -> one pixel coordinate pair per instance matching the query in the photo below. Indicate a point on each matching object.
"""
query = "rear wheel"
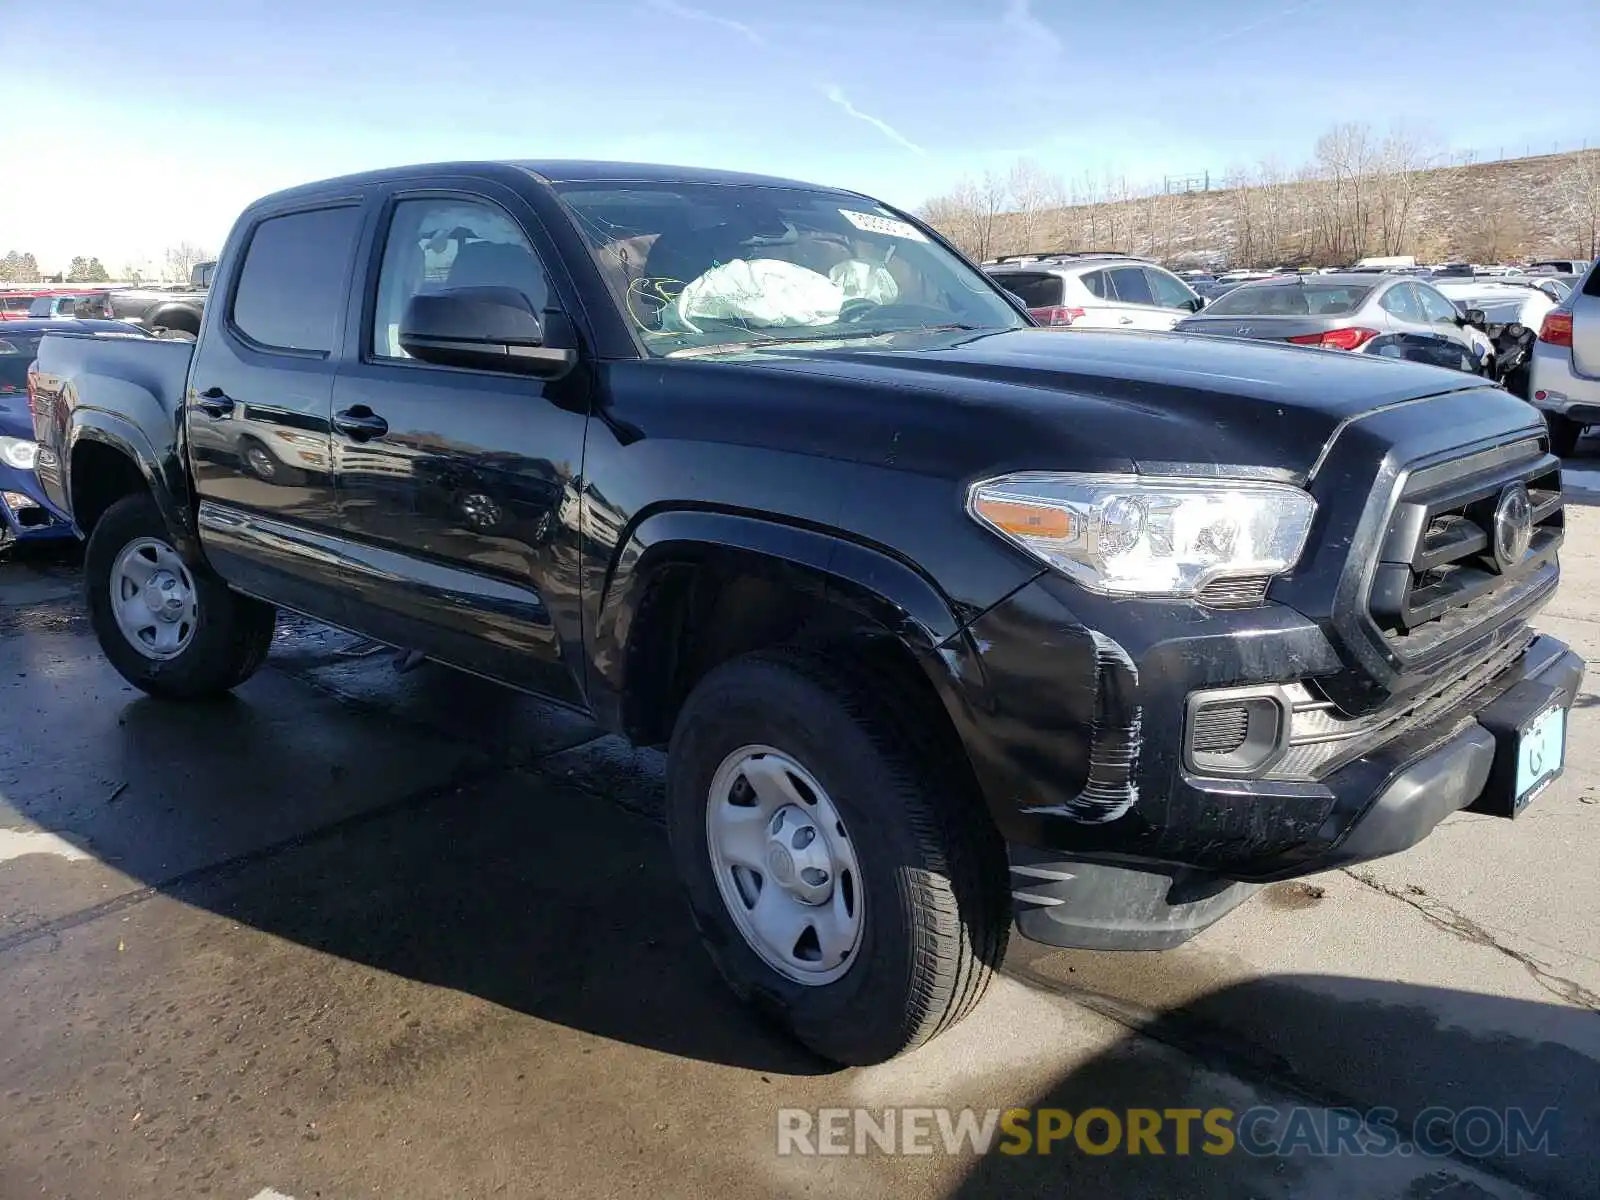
(1564, 434)
(172, 629)
(845, 879)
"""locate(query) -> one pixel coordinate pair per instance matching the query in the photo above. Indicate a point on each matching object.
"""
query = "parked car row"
(1468, 320)
(165, 311)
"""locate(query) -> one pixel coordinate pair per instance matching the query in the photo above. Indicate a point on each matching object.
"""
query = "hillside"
(1548, 205)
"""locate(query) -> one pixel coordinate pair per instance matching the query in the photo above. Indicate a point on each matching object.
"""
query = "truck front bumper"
(1115, 842)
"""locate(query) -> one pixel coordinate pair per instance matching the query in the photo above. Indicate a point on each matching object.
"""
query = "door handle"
(214, 402)
(1124, 320)
(360, 423)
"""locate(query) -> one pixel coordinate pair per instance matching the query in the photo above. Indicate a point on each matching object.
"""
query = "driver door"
(449, 480)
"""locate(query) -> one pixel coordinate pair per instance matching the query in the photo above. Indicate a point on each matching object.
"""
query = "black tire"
(232, 633)
(1564, 434)
(932, 864)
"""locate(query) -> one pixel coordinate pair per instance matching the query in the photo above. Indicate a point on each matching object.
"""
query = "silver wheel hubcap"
(785, 865)
(153, 599)
(261, 462)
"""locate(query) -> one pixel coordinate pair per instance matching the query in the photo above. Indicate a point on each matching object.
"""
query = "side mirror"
(487, 328)
(1474, 317)
(1197, 303)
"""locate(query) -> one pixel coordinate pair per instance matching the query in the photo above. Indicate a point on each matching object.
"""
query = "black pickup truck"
(949, 623)
(166, 311)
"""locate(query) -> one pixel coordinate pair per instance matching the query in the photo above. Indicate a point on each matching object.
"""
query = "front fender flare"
(882, 588)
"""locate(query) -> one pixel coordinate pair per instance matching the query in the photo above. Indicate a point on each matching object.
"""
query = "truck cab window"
(292, 285)
(443, 243)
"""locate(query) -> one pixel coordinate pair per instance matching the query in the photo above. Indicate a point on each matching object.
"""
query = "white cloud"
(1020, 21)
(684, 13)
(1270, 19)
(836, 95)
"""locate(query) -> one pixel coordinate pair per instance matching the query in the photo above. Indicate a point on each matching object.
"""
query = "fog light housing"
(1236, 732)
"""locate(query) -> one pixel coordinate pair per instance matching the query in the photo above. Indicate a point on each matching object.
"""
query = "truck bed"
(125, 391)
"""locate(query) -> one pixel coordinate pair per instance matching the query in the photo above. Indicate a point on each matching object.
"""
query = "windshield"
(1291, 300)
(712, 265)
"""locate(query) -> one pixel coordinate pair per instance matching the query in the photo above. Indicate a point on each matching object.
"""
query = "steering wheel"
(921, 314)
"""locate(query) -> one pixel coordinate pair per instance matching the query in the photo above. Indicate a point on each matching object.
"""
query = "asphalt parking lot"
(362, 932)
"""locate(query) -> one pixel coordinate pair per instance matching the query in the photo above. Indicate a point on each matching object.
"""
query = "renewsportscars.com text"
(1264, 1131)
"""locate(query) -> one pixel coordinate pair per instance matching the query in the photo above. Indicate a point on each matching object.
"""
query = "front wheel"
(846, 880)
(169, 628)
(1564, 434)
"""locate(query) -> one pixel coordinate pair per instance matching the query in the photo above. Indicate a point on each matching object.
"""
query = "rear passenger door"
(1137, 306)
(1172, 294)
(1414, 336)
(259, 404)
(1122, 299)
(452, 481)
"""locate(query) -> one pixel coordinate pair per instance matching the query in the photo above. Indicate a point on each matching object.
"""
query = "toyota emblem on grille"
(1513, 526)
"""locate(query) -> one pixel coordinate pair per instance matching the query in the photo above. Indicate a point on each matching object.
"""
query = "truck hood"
(1107, 400)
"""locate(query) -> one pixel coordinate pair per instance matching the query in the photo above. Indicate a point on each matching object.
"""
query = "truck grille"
(1463, 546)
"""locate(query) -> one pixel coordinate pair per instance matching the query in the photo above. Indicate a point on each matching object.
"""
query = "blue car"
(25, 514)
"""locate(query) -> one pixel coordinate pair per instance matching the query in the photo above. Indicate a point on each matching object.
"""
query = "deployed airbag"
(763, 292)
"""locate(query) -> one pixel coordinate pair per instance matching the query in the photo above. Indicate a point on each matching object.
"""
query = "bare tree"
(180, 260)
(990, 198)
(1243, 203)
(955, 215)
(1579, 189)
(1495, 232)
(1033, 192)
(1402, 159)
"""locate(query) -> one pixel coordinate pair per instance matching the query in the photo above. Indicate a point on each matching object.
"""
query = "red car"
(14, 305)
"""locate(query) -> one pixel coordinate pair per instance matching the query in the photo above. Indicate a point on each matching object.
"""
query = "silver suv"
(1564, 380)
(1095, 289)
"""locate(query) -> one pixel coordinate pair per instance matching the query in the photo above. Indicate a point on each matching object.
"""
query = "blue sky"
(158, 122)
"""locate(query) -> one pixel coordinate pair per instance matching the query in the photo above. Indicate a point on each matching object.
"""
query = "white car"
(1503, 300)
(1565, 375)
(1096, 290)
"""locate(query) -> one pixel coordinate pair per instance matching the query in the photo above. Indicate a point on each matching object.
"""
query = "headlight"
(1136, 535)
(19, 452)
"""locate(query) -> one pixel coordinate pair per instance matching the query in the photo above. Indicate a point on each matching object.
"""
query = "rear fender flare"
(164, 479)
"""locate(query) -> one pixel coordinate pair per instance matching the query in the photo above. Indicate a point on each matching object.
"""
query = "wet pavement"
(360, 931)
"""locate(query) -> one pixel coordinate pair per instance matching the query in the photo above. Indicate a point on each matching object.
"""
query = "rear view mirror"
(487, 328)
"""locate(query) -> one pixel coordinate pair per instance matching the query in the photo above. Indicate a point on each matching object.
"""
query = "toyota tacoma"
(950, 624)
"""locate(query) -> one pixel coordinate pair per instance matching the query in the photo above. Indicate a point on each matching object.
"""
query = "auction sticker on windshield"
(868, 223)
